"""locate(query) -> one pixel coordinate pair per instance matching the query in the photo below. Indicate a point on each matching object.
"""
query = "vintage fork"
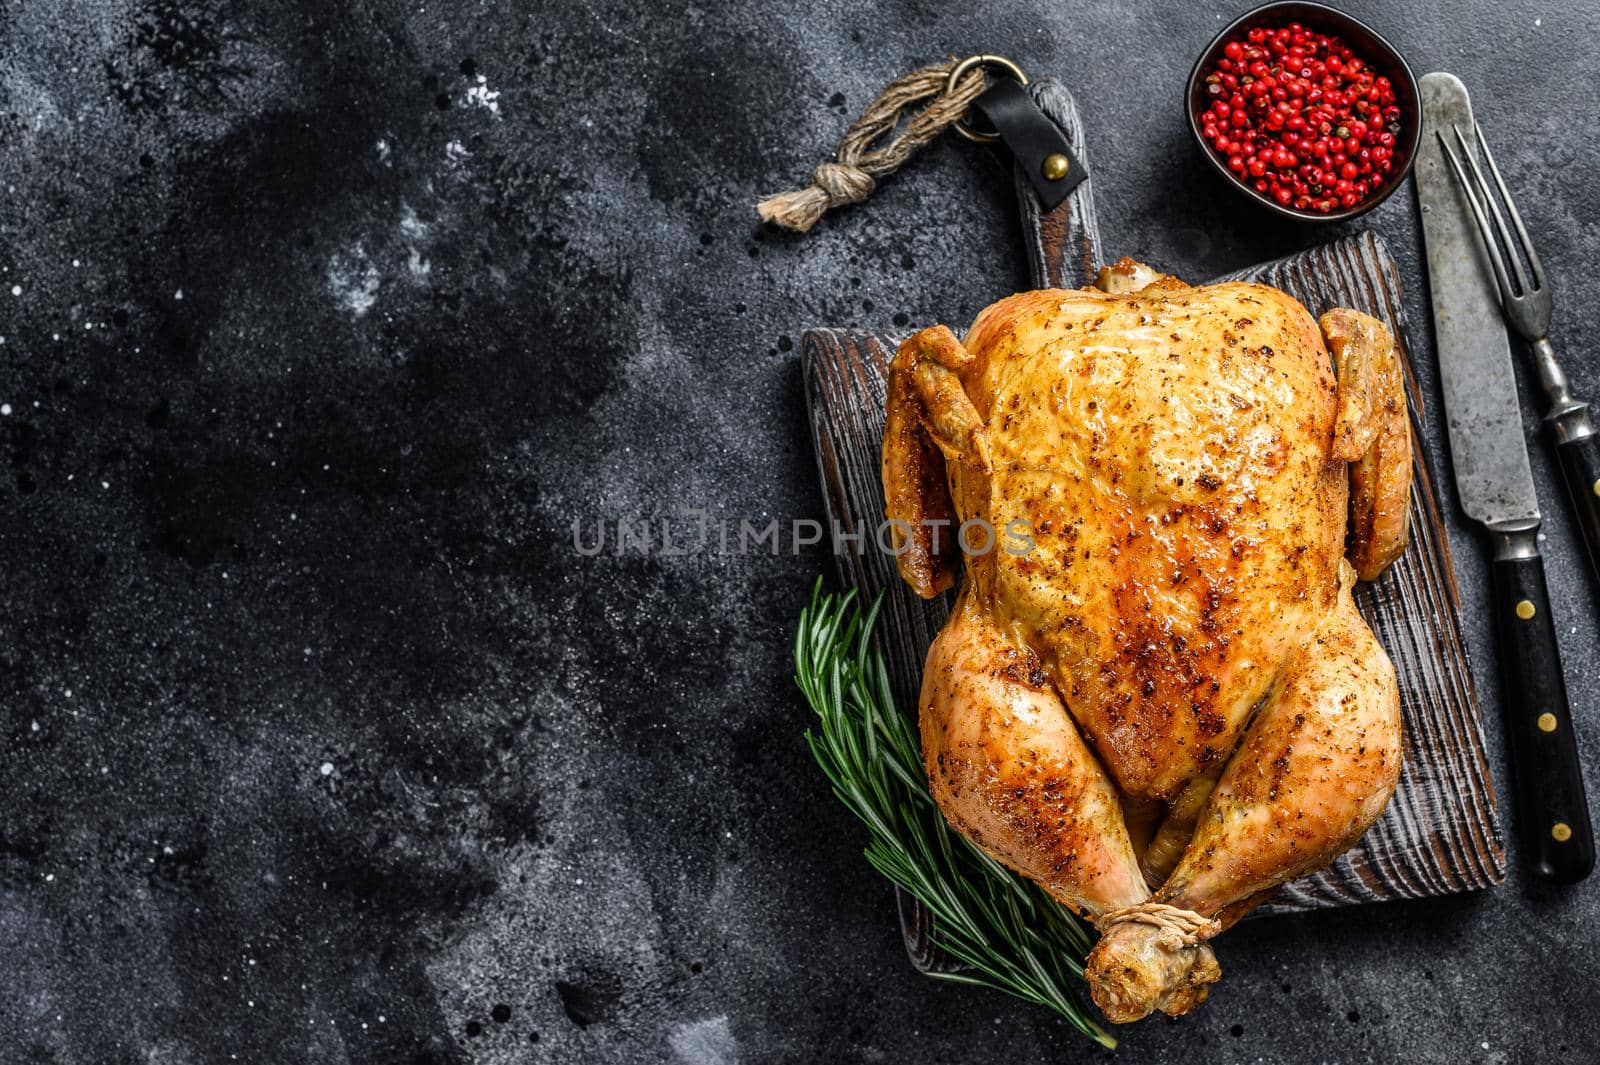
(1525, 301)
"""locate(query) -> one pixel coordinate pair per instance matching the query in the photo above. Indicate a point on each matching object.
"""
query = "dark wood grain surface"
(1441, 832)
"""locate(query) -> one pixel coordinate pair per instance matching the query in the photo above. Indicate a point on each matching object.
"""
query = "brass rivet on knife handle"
(1547, 722)
(1560, 831)
(1596, 487)
(1526, 610)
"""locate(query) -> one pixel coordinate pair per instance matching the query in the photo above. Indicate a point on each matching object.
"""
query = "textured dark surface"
(324, 744)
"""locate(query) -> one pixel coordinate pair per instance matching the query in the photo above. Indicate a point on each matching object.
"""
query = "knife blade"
(1489, 452)
(1487, 445)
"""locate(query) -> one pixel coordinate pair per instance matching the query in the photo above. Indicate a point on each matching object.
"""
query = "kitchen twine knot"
(856, 167)
(1176, 926)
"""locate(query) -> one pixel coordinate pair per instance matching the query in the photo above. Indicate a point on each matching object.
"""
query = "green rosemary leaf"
(1006, 931)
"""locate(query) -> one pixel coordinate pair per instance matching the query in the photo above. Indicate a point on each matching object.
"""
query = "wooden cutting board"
(1441, 832)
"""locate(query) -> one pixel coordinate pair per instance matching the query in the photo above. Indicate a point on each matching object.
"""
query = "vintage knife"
(1493, 479)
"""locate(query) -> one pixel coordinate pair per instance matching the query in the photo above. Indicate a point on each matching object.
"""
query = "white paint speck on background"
(353, 281)
(480, 95)
(327, 769)
(5, 410)
(411, 226)
(414, 232)
(418, 267)
(707, 1042)
(16, 290)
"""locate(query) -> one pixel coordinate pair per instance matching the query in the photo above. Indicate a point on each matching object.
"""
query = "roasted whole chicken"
(1154, 695)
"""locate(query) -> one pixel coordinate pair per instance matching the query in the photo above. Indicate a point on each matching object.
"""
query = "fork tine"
(1511, 205)
(1484, 232)
(1499, 219)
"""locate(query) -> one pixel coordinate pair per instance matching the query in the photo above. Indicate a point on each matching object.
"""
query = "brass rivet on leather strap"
(1560, 831)
(1055, 167)
(1547, 722)
(1526, 610)
(981, 61)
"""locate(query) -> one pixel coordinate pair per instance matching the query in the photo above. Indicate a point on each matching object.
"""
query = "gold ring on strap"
(981, 61)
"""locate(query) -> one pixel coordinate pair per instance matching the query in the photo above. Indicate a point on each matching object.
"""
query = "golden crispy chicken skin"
(1168, 697)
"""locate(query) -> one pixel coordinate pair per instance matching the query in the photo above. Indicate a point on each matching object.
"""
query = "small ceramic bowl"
(1367, 43)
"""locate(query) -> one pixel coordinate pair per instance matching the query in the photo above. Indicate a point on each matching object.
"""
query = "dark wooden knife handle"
(1552, 808)
(1580, 471)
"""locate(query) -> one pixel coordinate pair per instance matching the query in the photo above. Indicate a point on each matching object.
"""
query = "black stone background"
(322, 743)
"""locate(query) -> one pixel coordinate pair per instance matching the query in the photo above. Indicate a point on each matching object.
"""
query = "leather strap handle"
(1036, 142)
(1062, 243)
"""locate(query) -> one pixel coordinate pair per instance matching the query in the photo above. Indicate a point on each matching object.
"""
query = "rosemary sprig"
(1008, 932)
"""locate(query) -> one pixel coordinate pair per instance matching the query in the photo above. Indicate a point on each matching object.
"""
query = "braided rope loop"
(856, 167)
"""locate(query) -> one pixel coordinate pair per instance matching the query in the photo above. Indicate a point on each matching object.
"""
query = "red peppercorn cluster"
(1301, 118)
